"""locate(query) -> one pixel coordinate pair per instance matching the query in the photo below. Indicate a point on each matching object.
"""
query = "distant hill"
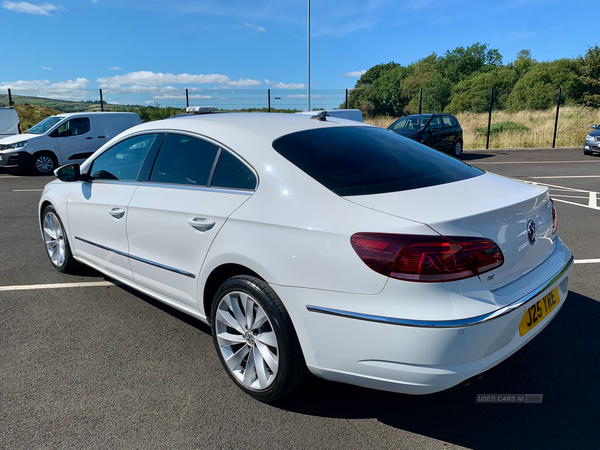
(64, 105)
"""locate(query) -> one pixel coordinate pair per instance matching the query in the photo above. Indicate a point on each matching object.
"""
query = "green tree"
(590, 77)
(538, 88)
(460, 63)
(473, 94)
(523, 62)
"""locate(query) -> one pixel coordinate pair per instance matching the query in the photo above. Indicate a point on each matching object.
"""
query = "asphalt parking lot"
(102, 366)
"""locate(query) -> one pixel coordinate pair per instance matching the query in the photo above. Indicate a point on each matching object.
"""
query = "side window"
(447, 122)
(73, 127)
(184, 160)
(455, 122)
(124, 160)
(232, 173)
(435, 123)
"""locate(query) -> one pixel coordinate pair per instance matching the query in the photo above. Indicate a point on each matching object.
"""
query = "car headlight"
(589, 137)
(14, 145)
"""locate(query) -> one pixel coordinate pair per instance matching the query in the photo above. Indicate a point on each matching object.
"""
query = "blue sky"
(258, 44)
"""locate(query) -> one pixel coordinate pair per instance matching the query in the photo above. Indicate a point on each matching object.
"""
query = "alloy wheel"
(55, 239)
(44, 164)
(247, 340)
(457, 148)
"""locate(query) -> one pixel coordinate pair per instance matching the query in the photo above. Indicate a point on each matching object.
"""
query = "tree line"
(461, 79)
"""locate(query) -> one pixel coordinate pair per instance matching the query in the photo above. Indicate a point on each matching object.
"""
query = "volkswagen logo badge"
(531, 232)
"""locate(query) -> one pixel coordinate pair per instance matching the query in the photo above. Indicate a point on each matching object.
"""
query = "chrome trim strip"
(458, 323)
(136, 258)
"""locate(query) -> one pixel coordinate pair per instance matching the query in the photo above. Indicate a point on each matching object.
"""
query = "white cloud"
(255, 27)
(244, 82)
(355, 74)
(43, 9)
(115, 68)
(46, 68)
(78, 84)
(148, 78)
(304, 96)
(284, 85)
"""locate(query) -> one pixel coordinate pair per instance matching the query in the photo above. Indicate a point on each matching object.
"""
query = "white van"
(348, 114)
(63, 139)
(9, 122)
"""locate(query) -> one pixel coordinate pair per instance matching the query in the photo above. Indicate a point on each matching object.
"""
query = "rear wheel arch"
(217, 277)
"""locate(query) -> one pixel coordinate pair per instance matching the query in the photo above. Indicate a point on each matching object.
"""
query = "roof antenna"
(320, 117)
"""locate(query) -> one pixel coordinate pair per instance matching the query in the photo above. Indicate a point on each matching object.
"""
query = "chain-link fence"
(268, 100)
(484, 114)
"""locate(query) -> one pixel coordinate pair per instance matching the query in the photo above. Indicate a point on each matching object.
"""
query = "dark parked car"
(439, 131)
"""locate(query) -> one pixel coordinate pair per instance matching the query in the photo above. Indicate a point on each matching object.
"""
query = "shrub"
(503, 127)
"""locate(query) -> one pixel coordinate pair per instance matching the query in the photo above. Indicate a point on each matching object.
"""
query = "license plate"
(538, 311)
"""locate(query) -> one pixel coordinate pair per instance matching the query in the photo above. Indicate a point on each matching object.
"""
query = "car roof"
(94, 113)
(261, 126)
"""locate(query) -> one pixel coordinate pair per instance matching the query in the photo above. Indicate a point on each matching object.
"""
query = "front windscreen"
(416, 123)
(44, 125)
(369, 160)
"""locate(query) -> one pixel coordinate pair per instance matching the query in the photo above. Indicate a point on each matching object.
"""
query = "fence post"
(346, 98)
(187, 99)
(556, 120)
(269, 95)
(101, 101)
(487, 144)
(420, 99)
(10, 102)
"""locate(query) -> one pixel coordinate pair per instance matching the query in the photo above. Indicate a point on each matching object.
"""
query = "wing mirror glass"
(70, 173)
(594, 126)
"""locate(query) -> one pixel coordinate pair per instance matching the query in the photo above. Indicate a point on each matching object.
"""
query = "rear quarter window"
(369, 160)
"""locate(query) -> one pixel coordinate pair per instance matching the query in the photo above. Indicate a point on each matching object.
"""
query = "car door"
(449, 131)
(174, 218)
(75, 139)
(97, 209)
(436, 133)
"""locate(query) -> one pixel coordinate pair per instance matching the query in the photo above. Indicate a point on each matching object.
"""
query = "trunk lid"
(487, 206)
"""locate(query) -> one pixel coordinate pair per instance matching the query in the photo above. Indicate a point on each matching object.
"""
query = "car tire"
(255, 339)
(43, 163)
(457, 148)
(57, 244)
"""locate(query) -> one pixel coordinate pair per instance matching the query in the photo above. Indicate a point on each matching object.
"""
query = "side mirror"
(594, 126)
(70, 173)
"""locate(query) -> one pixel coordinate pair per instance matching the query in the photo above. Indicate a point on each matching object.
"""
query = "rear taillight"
(554, 218)
(426, 258)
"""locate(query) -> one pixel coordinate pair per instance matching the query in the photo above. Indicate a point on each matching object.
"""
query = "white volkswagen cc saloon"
(316, 245)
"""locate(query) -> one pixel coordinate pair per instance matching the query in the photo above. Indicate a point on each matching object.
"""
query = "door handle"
(101, 137)
(89, 137)
(201, 224)
(117, 213)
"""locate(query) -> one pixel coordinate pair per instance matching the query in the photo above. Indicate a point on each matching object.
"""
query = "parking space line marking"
(576, 204)
(587, 261)
(27, 190)
(533, 162)
(59, 285)
(592, 202)
(566, 176)
(568, 196)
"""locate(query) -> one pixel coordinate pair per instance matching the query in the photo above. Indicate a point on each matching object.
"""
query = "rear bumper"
(15, 160)
(413, 357)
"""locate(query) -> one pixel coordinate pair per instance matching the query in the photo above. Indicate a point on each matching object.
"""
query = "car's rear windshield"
(368, 160)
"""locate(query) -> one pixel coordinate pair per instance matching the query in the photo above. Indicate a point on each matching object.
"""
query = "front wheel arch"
(43, 153)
